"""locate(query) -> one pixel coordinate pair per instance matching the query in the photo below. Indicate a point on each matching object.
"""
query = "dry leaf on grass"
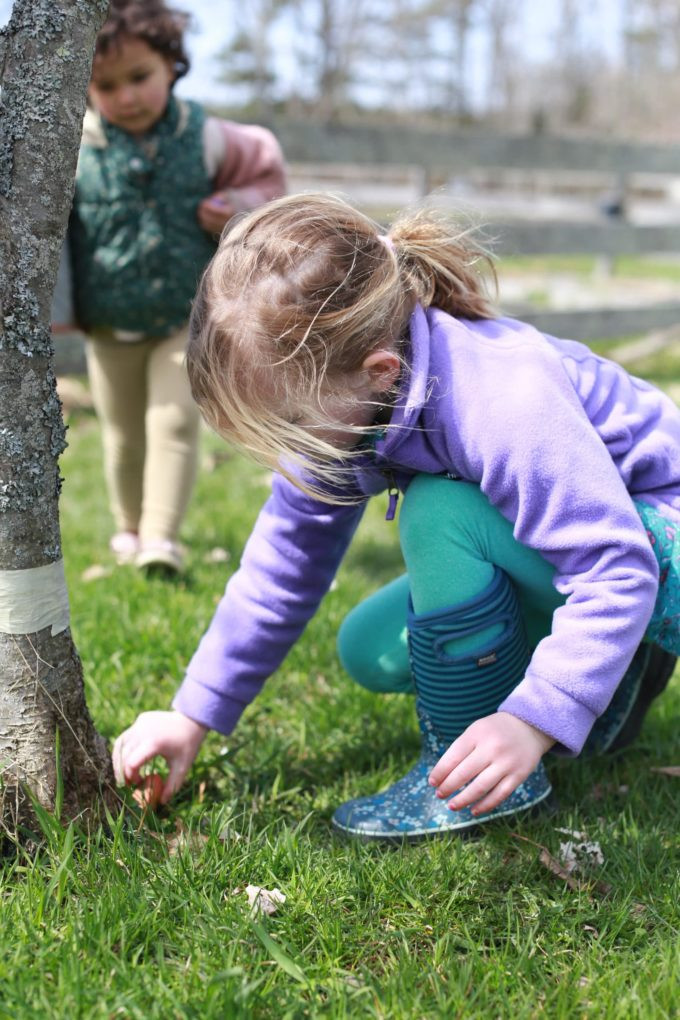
(667, 770)
(602, 790)
(96, 572)
(553, 865)
(228, 834)
(352, 981)
(579, 853)
(185, 839)
(262, 901)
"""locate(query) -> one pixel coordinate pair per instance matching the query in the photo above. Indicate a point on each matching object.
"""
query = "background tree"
(577, 66)
(248, 60)
(331, 41)
(577, 70)
(424, 54)
(45, 60)
(501, 23)
(452, 22)
(403, 74)
(649, 91)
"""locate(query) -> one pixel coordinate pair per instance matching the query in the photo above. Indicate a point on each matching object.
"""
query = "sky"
(538, 32)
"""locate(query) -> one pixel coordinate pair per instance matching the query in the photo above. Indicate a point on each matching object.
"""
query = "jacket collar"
(414, 390)
(96, 130)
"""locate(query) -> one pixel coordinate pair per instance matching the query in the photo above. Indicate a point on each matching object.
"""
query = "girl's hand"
(493, 756)
(216, 211)
(171, 735)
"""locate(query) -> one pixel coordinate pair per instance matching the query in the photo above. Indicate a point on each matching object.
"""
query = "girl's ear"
(172, 70)
(383, 368)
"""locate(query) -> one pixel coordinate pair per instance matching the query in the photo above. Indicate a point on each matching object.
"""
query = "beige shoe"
(125, 546)
(161, 554)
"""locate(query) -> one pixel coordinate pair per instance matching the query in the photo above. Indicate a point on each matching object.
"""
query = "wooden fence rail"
(606, 238)
(551, 237)
(377, 187)
(554, 165)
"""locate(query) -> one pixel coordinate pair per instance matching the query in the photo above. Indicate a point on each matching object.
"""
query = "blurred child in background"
(157, 180)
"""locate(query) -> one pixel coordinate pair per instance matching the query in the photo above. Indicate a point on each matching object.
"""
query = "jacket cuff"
(208, 707)
(551, 710)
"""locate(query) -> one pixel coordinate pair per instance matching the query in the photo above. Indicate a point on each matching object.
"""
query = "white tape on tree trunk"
(33, 599)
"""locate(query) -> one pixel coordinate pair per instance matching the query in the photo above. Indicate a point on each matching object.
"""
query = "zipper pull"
(393, 494)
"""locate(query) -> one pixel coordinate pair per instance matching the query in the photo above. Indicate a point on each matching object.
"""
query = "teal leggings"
(451, 539)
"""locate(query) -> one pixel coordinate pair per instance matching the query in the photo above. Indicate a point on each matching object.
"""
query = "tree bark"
(45, 61)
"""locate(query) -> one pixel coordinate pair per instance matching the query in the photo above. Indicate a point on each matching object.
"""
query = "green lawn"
(133, 924)
(654, 267)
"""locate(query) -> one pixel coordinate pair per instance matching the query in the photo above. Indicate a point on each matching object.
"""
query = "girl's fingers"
(459, 750)
(484, 782)
(117, 758)
(136, 756)
(464, 773)
(128, 757)
(169, 788)
(176, 776)
(496, 796)
(168, 735)
(213, 215)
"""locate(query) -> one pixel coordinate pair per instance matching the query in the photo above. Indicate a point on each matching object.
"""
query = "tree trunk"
(45, 63)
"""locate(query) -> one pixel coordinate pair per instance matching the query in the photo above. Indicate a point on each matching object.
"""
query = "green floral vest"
(137, 248)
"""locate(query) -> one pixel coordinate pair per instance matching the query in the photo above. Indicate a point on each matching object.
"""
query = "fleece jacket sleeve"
(287, 566)
(529, 442)
(246, 160)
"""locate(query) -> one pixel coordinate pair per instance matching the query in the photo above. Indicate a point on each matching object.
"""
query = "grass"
(141, 922)
(626, 266)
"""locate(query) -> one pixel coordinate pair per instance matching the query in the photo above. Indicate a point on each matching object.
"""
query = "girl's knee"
(354, 652)
(174, 422)
(435, 505)
(379, 667)
(427, 493)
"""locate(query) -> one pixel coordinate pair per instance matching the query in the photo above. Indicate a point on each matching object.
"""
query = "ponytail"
(441, 267)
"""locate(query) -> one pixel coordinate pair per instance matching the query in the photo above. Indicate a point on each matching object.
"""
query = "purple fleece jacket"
(557, 438)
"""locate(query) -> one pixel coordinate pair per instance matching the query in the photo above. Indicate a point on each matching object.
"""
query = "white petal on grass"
(262, 901)
(217, 555)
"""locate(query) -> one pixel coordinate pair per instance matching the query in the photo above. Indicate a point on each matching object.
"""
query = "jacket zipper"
(392, 495)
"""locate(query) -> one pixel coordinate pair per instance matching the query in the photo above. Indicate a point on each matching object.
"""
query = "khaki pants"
(150, 430)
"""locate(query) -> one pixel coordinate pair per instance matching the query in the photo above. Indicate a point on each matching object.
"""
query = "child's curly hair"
(161, 28)
(298, 294)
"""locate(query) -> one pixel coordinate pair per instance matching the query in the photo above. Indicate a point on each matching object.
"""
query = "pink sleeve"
(252, 168)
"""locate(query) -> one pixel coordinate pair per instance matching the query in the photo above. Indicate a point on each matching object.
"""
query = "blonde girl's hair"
(299, 292)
